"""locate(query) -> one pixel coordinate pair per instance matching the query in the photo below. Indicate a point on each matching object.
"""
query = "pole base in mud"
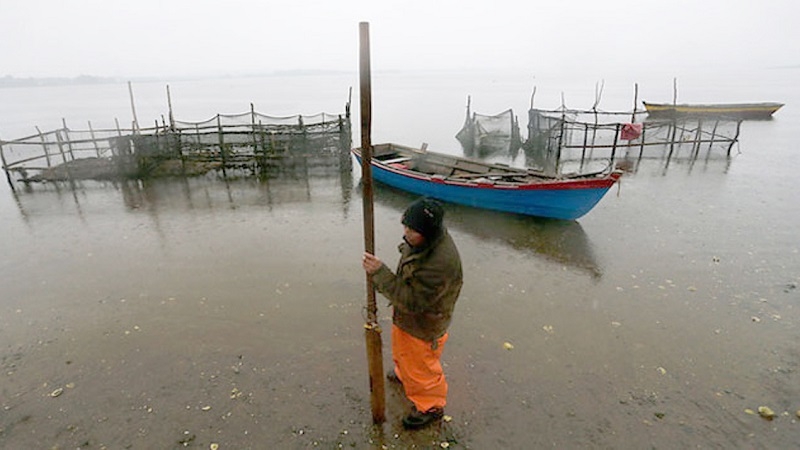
(372, 333)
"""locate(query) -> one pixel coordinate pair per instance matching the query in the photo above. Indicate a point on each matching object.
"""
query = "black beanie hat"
(425, 217)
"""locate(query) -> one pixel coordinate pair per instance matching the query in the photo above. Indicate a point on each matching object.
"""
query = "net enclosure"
(250, 142)
(484, 135)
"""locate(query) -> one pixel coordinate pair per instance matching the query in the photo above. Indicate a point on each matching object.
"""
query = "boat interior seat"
(401, 159)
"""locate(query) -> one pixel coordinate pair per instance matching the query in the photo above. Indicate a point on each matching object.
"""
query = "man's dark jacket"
(425, 289)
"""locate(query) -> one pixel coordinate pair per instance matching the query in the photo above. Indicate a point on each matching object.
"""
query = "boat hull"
(558, 199)
(730, 110)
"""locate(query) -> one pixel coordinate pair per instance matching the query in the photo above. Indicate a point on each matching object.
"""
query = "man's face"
(413, 238)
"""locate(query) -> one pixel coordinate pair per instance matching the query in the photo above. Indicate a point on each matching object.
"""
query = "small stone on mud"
(766, 412)
(57, 392)
(508, 345)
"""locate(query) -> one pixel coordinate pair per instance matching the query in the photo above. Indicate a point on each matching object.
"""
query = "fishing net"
(248, 140)
(483, 135)
(561, 140)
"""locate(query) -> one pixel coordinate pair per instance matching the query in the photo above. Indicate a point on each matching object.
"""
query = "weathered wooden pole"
(68, 139)
(616, 137)
(372, 329)
(5, 168)
(674, 93)
(94, 139)
(698, 139)
(44, 147)
(171, 116)
(133, 108)
(735, 137)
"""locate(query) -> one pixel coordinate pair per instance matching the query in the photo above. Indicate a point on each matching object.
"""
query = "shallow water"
(189, 312)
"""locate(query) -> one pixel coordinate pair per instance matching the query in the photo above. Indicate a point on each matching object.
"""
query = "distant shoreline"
(9, 81)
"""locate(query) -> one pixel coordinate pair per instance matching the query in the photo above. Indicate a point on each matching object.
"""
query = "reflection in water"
(281, 187)
(561, 241)
(290, 182)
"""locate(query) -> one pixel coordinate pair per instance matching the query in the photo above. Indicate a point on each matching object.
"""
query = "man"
(423, 293)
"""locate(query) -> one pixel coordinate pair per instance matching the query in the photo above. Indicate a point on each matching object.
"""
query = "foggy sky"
(67, 38)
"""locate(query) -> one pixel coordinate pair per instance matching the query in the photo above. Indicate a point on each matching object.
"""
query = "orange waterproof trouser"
(418, 367)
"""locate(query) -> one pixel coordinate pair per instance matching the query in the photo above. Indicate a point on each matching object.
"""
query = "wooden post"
(94, 139)
(698, 138)
(155, 134)
(674, 93)
(44, 147)
(66, 136)
(257, 160)
(616, 137)
(63, 156)
(736, 137)
(585, 137)
(197, 135)
(133, 108)
(560, 136)
(5, 168)
(372, 330)
(641, 145)
(221, 143)
(672, 138)
(711, 140)
(171, 116)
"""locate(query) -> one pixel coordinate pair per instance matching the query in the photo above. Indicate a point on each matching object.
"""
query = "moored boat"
(487, 185)
(763, 110)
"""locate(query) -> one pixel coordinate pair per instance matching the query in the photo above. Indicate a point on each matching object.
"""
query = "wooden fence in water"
(573, 137)
(248, 143)
(568, 137)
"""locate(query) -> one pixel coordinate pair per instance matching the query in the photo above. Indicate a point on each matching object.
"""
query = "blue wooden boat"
(487, 185)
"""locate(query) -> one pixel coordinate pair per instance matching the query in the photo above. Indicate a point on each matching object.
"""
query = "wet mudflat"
(189, 313)
(206, 314)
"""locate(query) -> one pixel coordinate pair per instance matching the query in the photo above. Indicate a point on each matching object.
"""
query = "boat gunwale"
(599, 180)
(760, 107)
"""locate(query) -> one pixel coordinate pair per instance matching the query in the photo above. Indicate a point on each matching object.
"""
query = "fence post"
(616, 137)
(253, 135)
(94, 140)
(221, 143)
(169, 104)
(736, 137)
(44, 147)
(60, 143)
(713, 135)
(133, 109)
(5, 167)
(66, 135)
(697, 139)
(641, 145)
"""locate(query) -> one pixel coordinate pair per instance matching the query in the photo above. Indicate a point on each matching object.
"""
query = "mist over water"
(212, 311)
